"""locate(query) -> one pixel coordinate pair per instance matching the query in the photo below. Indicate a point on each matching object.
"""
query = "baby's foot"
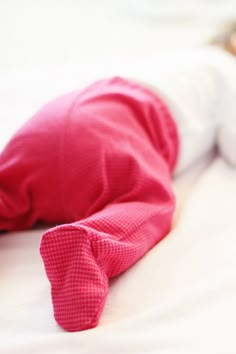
(78, 284)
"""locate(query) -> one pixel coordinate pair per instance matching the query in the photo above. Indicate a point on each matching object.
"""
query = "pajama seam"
(62, 157)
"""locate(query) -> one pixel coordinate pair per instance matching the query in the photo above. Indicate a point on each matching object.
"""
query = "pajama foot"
(79, 286)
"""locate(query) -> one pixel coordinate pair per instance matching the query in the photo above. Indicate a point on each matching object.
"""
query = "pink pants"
(98, 162)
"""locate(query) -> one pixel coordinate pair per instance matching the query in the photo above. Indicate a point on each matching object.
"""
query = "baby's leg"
(80, 258)
(127, 187)
(32, 169)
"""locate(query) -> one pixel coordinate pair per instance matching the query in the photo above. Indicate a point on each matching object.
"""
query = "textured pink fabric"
(98, 162)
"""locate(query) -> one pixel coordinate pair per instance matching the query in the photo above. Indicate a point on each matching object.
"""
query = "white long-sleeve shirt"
(199, 88)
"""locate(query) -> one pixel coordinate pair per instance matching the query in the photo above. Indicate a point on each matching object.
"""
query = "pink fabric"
(98, 162)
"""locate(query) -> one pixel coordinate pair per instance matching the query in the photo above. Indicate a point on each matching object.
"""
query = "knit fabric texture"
(96, 163)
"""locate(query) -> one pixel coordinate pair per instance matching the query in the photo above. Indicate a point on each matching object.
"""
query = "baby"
(97, 165)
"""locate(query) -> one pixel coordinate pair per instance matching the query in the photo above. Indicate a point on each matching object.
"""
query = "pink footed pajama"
(96, 164)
